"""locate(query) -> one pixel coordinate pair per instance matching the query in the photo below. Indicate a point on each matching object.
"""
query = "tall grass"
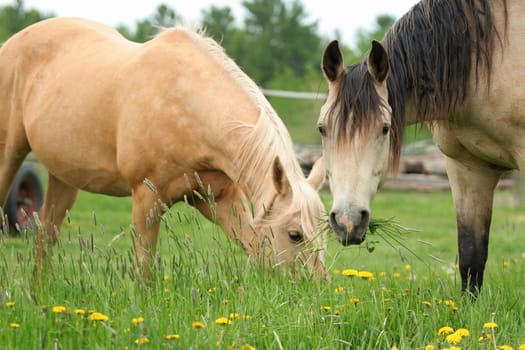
(380, 300)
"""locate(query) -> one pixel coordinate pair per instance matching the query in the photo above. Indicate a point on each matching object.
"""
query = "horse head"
(355, 125)
(289, 229)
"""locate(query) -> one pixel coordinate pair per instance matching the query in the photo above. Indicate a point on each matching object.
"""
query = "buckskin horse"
(456, 65)
(107, 115)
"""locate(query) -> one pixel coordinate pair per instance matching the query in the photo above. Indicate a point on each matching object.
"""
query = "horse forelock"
(358, 107)
(357, 103)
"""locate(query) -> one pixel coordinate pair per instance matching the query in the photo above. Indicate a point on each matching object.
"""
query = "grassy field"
(209, 295)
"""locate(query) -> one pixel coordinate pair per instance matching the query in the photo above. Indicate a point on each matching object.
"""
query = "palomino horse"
(110, 116)
(457, 65)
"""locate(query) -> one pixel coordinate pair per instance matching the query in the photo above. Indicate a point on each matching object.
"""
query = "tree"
(218, 22)
(364, 38)
(146, 29)
(277, 37)
(14, 18)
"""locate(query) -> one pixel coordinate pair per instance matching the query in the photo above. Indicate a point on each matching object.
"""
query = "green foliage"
(16, 17)
(146, 29)
(365, 37)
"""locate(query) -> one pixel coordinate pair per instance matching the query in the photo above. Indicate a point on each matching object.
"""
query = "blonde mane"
(263, 140)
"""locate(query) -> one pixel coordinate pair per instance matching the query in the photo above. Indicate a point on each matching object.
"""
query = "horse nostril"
(333, 220)
(365, 215)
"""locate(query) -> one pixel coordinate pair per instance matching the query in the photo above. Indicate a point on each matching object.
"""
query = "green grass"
(202, 276)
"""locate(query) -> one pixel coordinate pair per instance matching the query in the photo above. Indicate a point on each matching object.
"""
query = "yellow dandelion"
(248, 347)
(445, 330)
(339, 289)
(14, 325)
(454, 338)
(59, 309)
(142, 340)
(233, 315)
(427, 303)
(505, 264)
(452, 348)
(355, 300)
(223, 321)
(212, 290)
(98, 316)
(505, 347)
(337, 312)
(366, 275)
(198, 325)
(490, 325)
(79, 312)
(463, 332)
(429, 347)
(137, 320)
(408, 267)
(10, 304)
(449, 302)
(484, 338)
(225, 301)
(165, 278)
(396, 275)
(350, 272)
(521, 347)
(326, 308)
(172, 337)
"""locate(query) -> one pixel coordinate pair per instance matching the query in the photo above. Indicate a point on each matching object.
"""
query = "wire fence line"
(294, 94)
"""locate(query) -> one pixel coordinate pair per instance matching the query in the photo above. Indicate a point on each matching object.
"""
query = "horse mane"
(263, 140)
(433, 51)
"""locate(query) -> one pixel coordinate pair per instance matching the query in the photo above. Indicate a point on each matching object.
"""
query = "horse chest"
(474, 143)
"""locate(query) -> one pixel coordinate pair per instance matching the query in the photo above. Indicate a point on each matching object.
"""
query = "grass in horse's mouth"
(388, 230)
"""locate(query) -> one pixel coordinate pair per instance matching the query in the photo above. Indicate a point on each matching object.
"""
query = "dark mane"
(433, 51)
(357, 95)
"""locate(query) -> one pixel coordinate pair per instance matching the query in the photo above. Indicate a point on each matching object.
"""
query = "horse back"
(57, 83)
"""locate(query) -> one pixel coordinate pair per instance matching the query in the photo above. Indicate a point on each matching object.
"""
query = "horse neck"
(254, 156)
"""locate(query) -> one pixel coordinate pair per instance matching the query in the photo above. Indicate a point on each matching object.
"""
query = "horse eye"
(386, 129)
(322, 130)
(295, 236)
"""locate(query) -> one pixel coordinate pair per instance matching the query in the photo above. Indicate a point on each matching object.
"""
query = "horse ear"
(280, 180)
(317, 174)
(333, 65)
(378, 62)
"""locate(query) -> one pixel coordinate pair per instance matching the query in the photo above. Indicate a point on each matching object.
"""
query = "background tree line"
(275, 44)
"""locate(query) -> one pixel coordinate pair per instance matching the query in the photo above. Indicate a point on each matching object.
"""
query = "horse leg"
(146, 221)
(59, 198)
(472, 186)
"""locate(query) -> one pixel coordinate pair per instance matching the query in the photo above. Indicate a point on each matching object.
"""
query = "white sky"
(345, 15)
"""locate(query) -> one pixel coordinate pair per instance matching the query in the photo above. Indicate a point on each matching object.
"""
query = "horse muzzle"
(350, 229)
